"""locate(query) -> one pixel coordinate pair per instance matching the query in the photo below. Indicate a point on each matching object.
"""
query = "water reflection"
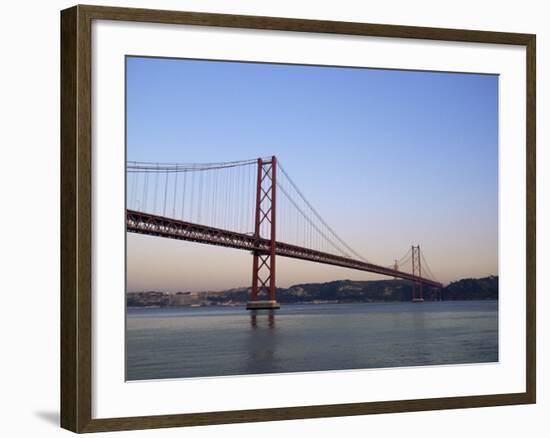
(262, 342)
(270, 318)
(419, 320)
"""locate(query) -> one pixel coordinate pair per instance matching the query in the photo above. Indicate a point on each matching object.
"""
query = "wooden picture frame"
(76, 218)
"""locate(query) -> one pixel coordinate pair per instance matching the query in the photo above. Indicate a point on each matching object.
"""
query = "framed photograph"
(271, 218)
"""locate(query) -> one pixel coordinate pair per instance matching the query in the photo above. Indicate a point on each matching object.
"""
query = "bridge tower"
(263, 261)
(417, 293)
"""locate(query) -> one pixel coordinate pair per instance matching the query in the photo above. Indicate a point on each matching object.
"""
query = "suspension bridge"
(251, 205)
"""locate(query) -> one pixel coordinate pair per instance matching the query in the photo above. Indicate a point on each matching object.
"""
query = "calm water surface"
(217, 341)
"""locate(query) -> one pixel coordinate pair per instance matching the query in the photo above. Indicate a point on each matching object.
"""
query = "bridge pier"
(263, 304)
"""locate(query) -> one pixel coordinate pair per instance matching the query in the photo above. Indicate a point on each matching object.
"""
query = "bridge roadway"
(154, 225)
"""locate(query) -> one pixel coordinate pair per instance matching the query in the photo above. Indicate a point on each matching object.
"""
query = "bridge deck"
(145, 223)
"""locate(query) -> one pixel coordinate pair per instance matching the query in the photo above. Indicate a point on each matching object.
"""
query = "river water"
(176, 342)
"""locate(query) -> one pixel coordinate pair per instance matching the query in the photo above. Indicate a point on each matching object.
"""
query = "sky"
(389, 158)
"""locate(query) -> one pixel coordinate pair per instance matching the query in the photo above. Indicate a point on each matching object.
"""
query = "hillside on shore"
(341, 291)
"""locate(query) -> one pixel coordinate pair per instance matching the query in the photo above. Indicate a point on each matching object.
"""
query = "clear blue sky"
(389, 158)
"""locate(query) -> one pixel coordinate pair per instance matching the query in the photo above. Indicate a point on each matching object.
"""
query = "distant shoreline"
(242, 305)
(335, 292)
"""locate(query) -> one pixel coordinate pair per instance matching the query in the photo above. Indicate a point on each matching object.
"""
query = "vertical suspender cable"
(183, 195)
(175, 195)
(165, 194)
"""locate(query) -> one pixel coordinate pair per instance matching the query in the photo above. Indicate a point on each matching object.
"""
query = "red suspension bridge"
(251, 205)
